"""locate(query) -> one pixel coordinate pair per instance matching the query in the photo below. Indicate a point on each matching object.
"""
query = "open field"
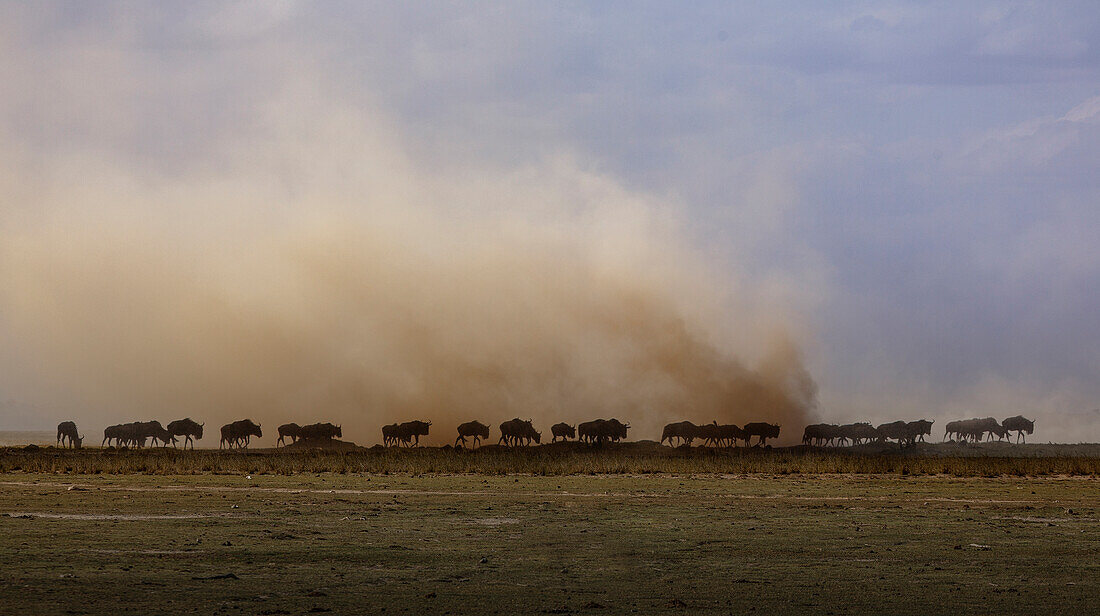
(372, 544)
(645, 457)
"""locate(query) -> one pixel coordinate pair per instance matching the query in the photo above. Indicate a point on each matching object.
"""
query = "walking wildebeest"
(856, 433)
(762, 430)
(683, 430)
(414, 430)
(135, 433)
(113, 433)
(391, 433)
(293, 430)
(973, 429)
(599, 430)
(321, 431)
(187, 428)
(66, 431)
(1019, 424)
(563, 431)
(920, 428)
(898, 431)
(729, 433)
(819, 434)
(239, 434)
(515, 430)
(476, 429)
(709, 433)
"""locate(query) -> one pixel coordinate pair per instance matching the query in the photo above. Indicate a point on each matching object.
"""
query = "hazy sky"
(913, 189)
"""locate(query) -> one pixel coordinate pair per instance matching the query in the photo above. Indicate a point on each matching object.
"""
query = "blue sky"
(915, 185)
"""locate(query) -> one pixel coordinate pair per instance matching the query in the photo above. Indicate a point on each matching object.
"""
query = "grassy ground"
(962, 460)
(352, 544)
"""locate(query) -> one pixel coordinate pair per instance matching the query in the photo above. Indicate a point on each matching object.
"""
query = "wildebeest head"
(78, 441)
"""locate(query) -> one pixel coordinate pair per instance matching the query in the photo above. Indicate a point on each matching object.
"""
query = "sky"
(904, 194)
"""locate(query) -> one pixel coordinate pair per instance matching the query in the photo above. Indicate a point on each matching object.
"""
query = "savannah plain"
(605, 532)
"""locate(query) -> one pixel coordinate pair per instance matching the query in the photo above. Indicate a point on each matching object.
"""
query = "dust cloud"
(358, 288)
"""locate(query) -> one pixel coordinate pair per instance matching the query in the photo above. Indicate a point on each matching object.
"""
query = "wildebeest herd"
(907, 433)
(135, 434)
(521, 432)
(718, 435)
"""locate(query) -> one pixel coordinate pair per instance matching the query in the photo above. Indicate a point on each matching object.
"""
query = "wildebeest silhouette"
(709, 433)
(856, 433)
(133, 434)
(895, 430)
(320, 431)
(476, 429)
(515, 430)
(563, 431)
(820, 434)
(391, 433)
(972, 429)
(66, 432)
(728, 434)
(162, 435)
(239, 434)
(1019, 424)
(598, 431)
(685, 431)
(761, 430)
(413, 430)
(724, 435)
(113, 433)
(920, 428)
(293, 430)
(189, 429)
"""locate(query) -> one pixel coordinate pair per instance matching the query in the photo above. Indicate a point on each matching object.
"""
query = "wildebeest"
(819, 434)
(685, 431)
(972, 429)
(476, 429)
(515, 430)
(599, 430)
(390, 434)
(293, 430)
(920, 428)
(898, 431)
(414, 430)
(404, 433)
(134, 434)
(322, 431)
(239, 434)
(1019, 424)
(113, 433)
(762, 430)
(563, 431)
(730, 433)
(187, 428)
(66, 432)
(724, 435)
(856, 433)
(162, 435)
